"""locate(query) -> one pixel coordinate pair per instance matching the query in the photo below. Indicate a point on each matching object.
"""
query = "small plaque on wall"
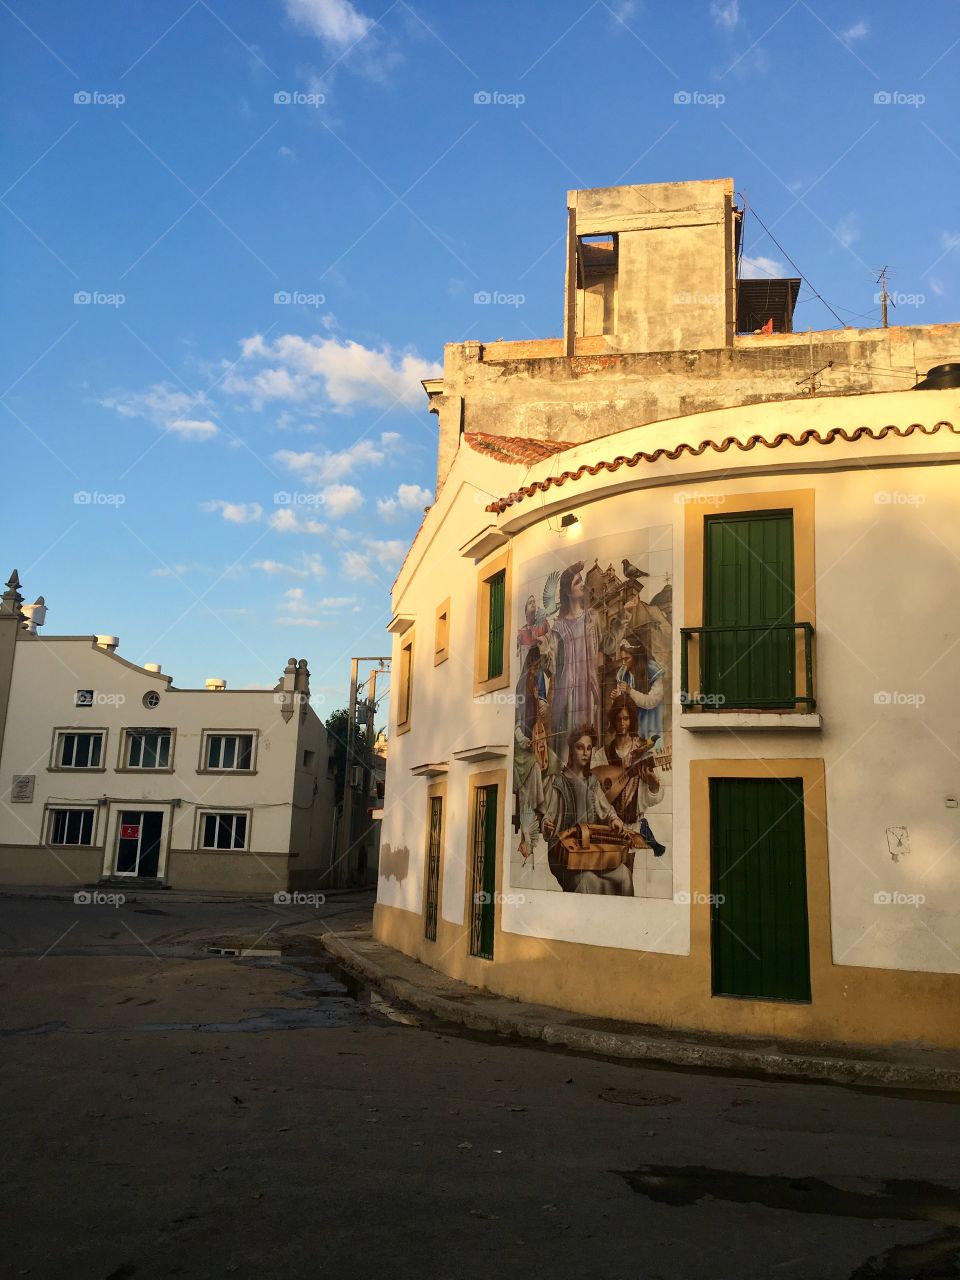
(21, 789)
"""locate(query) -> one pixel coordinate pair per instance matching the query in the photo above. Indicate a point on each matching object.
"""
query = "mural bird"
(633, 574)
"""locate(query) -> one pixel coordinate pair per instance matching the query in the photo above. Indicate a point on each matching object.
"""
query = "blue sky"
(280, 210)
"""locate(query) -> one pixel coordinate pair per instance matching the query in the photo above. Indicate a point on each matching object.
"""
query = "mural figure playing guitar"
(625, 767)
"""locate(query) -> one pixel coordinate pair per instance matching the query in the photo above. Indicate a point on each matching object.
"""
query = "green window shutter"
(497, 591)
(749, 582)
(758, 883)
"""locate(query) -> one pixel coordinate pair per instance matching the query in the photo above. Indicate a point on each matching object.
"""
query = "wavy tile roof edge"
(719, 446)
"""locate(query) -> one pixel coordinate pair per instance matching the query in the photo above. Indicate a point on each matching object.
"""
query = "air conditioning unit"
(356, 775)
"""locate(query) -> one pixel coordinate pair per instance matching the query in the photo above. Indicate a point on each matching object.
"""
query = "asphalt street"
(170, 1110)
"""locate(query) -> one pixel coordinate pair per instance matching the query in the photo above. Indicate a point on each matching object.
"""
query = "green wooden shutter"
(759, 886)
(496, 588)
(484, 877)
(749, 581)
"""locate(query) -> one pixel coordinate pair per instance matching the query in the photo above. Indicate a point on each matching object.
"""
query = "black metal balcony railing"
(751, 667)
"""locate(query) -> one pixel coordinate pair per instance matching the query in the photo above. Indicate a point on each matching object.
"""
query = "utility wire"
(746, 205)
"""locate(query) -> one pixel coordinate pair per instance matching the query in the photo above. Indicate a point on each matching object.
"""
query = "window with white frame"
(79, 750)
(71, 826)
(223, 831)
(147, 749)
(229, 752)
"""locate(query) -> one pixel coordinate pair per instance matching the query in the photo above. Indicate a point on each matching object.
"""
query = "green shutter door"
(759, 887)
(748, 581)
(495, 633)
(484, 879)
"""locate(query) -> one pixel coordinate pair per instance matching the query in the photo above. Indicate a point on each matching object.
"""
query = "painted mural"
(592, 752)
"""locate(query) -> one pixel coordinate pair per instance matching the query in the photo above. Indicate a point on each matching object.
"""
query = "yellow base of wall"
(849, 1005)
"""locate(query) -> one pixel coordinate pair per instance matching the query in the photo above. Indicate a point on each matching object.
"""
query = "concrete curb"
(470, 1007)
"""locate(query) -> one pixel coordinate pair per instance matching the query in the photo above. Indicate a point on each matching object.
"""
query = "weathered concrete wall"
(531, 389)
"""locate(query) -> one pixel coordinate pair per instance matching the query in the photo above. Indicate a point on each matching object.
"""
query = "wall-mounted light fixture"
(569, 520)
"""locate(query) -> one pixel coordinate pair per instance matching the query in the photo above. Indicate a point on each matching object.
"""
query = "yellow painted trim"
(441, 633)
(481, 682)
(485, 778)
(406, 642)
(801, 504)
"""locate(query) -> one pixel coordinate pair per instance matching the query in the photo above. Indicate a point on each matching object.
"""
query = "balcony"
(757, 676)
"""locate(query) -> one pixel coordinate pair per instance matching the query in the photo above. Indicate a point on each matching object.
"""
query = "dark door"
(749, 582)
(484, 878)
(433, 869)
(759, 886)
(138, 843)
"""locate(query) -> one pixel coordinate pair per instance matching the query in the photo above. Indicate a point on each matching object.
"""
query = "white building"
(108, 770)
(761, 586)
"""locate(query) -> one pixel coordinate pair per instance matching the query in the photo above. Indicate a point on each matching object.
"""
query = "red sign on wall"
(130, 831)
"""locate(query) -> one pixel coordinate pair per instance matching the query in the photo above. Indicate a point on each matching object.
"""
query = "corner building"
(673, 734)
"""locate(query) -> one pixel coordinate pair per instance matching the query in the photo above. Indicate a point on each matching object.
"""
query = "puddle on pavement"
(334, 998)
(894, 1199)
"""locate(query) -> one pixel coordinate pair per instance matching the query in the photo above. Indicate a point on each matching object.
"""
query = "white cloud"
(323, 623)
(760, 268)
(335, 21)
(159, 403)
(311, 566)
(409, 497)
(856, 32)
(388, 553)
(165, 406)
(725, 16)
(294, 601)
(357, 565)
(331, 466)
(937, 286)
(847, 231)
(346, 373)
(341, 499)
(287, 153)
(286, 520)
(337, 602)
(950, 240)
(235, 512)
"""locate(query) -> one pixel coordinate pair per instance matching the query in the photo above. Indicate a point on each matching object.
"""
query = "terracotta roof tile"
(719, 446)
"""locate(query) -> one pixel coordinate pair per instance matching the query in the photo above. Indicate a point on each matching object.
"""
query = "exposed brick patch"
(514, 448)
